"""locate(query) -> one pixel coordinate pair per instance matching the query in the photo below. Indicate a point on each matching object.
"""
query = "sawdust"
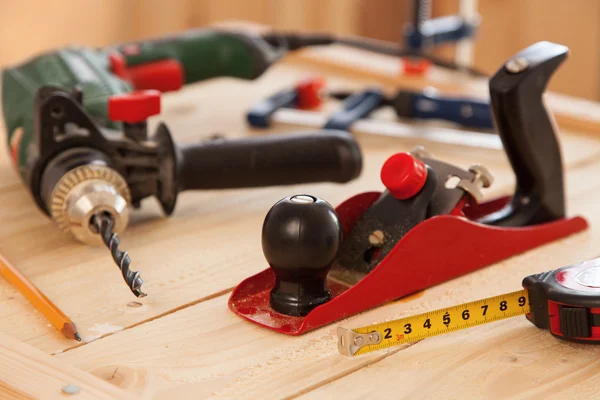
(101, 330)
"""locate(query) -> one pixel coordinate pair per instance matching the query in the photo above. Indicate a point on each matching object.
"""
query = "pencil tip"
(77, 337)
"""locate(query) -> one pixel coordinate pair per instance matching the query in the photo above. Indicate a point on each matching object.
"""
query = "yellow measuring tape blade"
(410, 329)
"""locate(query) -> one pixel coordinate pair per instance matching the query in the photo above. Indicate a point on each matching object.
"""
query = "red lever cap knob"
(403, 175)
(309, 96)
(134, 107)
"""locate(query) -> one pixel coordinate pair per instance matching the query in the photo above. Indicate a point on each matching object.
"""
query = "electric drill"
(164, 64)
(76, 122)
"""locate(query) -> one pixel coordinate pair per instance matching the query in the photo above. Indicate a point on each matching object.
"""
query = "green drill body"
(67, 68)
(202, 54)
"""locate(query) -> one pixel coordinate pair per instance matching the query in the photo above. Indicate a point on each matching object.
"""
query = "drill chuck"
(87, 191)
(91, 202)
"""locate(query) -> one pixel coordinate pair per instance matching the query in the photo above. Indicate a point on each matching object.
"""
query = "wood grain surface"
(182, 342)
(28, 373)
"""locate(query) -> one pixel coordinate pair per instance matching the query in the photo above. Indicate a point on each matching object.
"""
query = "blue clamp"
(467, 112)
(259, 116)
(437, 31)
(355, 107)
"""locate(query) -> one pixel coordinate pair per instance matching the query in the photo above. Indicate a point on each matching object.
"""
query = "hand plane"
(431, 223)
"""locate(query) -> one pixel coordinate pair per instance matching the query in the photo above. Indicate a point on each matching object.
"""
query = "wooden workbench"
(182, 341)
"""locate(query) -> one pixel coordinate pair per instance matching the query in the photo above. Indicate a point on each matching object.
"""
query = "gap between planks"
(157, 316)
(350, 371)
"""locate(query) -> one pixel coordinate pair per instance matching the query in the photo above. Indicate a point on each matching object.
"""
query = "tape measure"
(565, 301)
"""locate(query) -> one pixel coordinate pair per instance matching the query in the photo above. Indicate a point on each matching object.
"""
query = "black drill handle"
(529, 136)
(324, 156)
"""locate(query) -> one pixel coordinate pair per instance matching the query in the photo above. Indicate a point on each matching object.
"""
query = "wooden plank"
(579, 76)
(27, 373)
(297, 15)
(215, 11)
(494, 43)
(341, 16)
(508, 359)
(383, 19)
(154, 18)
(41, 26)
(202, 260)
(213, 241)
(206, 350)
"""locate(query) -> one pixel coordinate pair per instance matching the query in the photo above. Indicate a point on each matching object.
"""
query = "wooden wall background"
(29, 26)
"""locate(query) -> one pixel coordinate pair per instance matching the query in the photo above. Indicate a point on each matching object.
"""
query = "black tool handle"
(323, 156)
(528, 133)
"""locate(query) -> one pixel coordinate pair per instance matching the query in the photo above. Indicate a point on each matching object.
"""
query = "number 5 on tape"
(565, 301)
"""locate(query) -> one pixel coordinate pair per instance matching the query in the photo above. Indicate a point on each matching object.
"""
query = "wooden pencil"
(50, 311)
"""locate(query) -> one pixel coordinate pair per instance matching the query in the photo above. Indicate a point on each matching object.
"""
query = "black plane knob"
(301, 239)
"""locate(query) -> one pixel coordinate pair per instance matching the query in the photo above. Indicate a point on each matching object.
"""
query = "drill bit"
(104, 225)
